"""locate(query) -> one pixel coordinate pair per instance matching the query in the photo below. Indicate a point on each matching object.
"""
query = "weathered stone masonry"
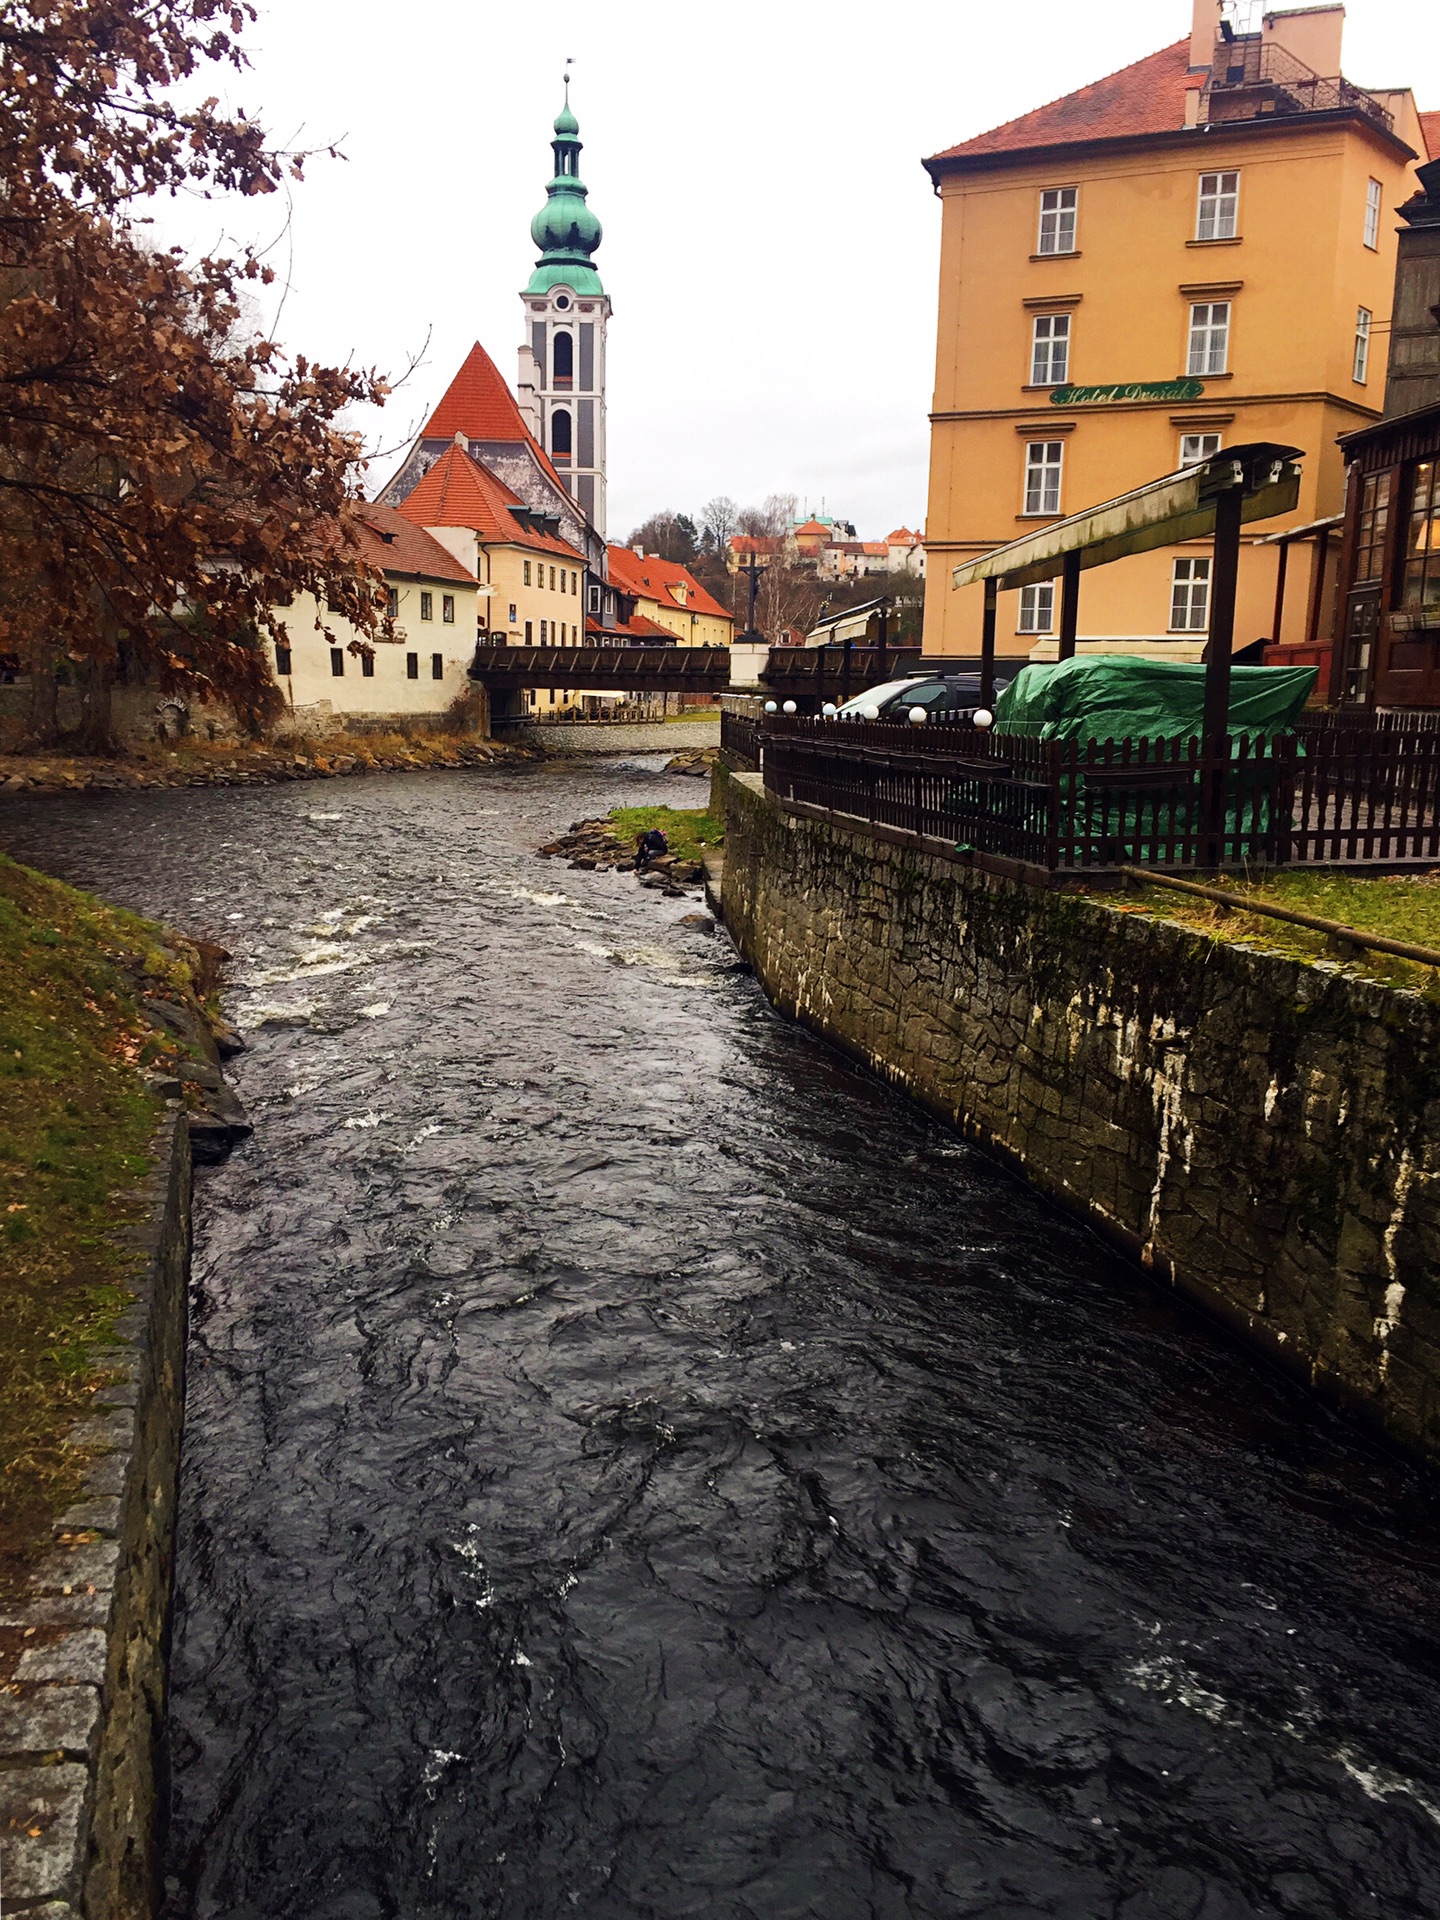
(1264, 1134)
(82, 1784)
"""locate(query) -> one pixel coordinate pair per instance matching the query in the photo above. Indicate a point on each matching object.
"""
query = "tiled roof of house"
(879, 547)
(638, 627)
(755, 543)
(395, 544)
(1430, 127)
(477, 403)
(1148, 97)
(459, 492)
(813, 526)
(656, 579)
(903, 537)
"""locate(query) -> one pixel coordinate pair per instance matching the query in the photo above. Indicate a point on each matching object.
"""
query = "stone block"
(78, 1657)
(105, 1430)
(91, 1516)
(40, 1814)
(49, 1720)
(74, 1569)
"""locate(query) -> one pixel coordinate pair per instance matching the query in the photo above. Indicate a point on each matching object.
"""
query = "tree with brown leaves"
(164, 480)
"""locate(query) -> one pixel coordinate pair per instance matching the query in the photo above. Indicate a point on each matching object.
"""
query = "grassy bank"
(1399, 906)
(76, 1121)
(690, 831)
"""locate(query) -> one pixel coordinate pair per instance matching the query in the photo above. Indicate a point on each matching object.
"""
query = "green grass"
(76, 1122)
(692, 713)
(1400, 906)
(689, 831)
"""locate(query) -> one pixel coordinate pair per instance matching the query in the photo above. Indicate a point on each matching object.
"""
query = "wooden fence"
(1340, 795)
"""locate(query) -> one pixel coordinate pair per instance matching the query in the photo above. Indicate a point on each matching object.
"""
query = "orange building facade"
(1198, 251)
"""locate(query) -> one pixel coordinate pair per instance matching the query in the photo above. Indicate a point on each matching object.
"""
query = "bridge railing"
(740, 719)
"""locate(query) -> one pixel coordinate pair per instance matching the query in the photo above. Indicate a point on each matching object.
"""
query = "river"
(638, 1467)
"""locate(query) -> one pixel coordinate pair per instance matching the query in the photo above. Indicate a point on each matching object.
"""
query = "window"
(282, 659)
(544, 628)
(1057, 220)
(1209, 337)
(367, 666)
(1420, 588)
(1372, 526)
(1362, 346)
(437, 666)
(529, 633)
(1372, 213)
(1042, 476)
(514, 613)
(552, 580)
(412, 666)
(447, 609)
(1217, 215)
(563, 361)
(1195, 447)
(1037, 609)
(427, 606)
(527, 573)
(392, 602)
(1050, 350)
(1190, 596)
(595, 600)
(560, 433)
(337, 662)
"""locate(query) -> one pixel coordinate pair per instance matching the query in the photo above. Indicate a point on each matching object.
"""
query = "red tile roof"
(638, 627)
(814, 526)
(653, 579)
(903, 537)
(478, 404)
(1148, 97)
(459, 492)
(408, 549)
(755, 543)
(1430, 127)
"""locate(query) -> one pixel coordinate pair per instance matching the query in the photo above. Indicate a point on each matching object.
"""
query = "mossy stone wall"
(1262, 1133)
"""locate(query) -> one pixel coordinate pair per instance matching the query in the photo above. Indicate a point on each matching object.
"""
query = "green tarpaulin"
(1102, 697)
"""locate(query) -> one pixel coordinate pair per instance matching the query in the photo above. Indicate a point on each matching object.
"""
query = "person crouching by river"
(649, 845)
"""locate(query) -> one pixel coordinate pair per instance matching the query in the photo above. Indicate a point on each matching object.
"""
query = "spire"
(565, 229)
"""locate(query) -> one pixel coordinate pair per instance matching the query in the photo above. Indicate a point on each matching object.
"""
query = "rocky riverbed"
(594, 846)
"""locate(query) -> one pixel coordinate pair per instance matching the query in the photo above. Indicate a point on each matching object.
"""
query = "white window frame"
(1360, 365)
(1374, 194)
(1044, 476)
(1208, 354)
(1217, 205)
(1037, 608)
(1193, 450)
(1055, 204)
(427, 605)
(1190, 594)
(1050, 350)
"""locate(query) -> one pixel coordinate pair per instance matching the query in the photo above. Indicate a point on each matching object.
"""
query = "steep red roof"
(638, 627)
(653, 579)
(477, 403)
(1430, 127)
(903, 537)
(390, 540)
(459, 492)
(813, 526)
(1148, 97)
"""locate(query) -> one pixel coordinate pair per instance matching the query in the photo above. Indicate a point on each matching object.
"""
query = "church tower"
(562, 363)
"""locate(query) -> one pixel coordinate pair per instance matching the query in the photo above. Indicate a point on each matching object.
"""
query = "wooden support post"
(1214, 745)
(1317, 587)
(1278, 621)
(846, 645)
(987, 647)
(1069, 604)
(882, 634)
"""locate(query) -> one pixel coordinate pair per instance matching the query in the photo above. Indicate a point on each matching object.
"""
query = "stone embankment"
(82, 1715)
(621, 736)
(1260, 1131)
(592, 846)
(242, 767)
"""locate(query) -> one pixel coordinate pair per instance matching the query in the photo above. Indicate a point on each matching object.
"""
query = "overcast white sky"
(770, 238)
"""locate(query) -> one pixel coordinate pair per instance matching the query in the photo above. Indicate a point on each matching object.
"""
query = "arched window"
(563, 359)
(560, 434)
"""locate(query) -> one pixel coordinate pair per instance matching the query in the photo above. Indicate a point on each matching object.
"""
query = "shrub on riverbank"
(76, 1120)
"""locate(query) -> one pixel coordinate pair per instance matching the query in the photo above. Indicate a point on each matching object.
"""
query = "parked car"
(952, 698)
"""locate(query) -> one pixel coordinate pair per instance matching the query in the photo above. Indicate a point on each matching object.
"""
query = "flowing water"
(637, 1467)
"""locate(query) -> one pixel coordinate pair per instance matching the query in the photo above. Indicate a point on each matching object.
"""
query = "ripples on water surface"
(638, 1467)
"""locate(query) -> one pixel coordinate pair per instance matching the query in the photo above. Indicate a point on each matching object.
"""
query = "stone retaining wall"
(82, 1780)
(1260, 1132)
(619, 736)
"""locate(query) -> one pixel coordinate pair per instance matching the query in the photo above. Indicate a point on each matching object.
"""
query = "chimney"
(1204, 31)
(1308, 34)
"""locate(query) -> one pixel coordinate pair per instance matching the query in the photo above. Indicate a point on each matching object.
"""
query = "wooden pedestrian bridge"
(808, 675)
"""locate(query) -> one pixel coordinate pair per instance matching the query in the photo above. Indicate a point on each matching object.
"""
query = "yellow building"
(669, 596)
(1192, 253)
(531, 582)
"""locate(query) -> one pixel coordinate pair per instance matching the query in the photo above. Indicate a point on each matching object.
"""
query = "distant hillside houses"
(831, 548)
